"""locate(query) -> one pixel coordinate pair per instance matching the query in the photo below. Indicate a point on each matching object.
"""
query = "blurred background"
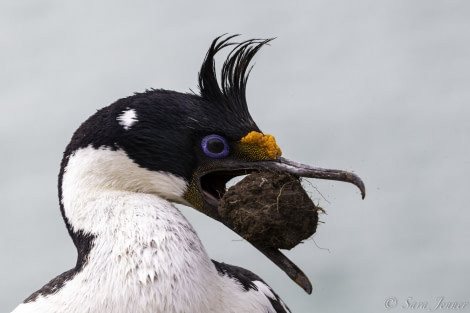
(380, 88)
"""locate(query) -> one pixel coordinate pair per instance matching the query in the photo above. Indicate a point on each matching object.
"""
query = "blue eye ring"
(215, 146)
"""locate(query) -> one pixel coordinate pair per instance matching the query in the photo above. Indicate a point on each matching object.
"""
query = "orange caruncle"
(265, 142)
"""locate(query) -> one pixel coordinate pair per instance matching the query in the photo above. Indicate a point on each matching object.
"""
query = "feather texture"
(231, 92)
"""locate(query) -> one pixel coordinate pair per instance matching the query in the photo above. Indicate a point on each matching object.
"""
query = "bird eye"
(215, 146)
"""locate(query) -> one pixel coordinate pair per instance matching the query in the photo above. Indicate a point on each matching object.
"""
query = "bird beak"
(209, 185)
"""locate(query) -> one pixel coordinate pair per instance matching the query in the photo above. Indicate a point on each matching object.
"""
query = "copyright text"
(435, 304)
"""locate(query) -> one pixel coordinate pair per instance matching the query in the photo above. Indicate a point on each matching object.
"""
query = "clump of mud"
(270, 209)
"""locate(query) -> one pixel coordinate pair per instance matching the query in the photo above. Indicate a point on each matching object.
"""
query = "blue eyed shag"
(120, 175)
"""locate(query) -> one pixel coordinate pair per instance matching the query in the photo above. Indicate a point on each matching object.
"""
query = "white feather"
(146, 257)
(127, 119)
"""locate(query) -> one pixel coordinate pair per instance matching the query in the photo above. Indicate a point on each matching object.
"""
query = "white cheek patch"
(127, 118)
(93, 174)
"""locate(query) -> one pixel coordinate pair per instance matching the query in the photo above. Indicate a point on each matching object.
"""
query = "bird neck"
(145, 257)
(138, 245)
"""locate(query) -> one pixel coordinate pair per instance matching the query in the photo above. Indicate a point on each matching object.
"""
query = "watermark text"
(435, 304)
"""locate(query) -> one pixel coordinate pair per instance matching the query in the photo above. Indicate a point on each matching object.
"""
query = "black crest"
(234, 74)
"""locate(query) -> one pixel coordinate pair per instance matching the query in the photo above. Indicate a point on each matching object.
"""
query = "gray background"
(377, 87)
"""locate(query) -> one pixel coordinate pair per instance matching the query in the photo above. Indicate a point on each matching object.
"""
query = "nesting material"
(270, 209)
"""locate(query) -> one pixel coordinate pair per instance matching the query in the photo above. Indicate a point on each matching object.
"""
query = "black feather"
(246, 279)
(231, 93)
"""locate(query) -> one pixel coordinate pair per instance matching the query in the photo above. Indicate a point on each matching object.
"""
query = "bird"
(127, 166)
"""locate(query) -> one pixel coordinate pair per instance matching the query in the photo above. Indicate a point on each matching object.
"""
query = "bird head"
(183, 147)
